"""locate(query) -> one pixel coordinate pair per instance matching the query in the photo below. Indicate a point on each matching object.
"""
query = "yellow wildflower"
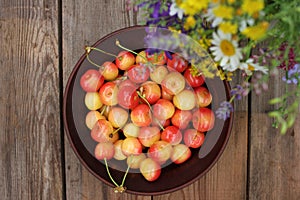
(205, 43)
(221, 74)
(174, 30)
(256, 32)
(189, 23)
(228, 27)
(220, 1)
(222, 11)
(252, 6)
(224, 75)
(229, 76)
(192, 7)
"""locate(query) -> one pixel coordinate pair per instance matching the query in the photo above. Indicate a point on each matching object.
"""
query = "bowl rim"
(85, 164)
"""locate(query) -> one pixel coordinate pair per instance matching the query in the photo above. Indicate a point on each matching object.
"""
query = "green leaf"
(275, 101)
(275, 114)
(291, 120)
(283, 128)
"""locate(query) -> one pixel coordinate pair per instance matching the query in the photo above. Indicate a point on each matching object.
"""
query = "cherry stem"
(118, 188)
(115, 131)
(159, 124)
(141, 96)
(103, 109)
(122, 47)
(88, 58)
(88, 51)
(127, 170)
(111, 178)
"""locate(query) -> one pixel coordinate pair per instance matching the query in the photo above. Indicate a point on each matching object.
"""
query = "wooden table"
(40, 43)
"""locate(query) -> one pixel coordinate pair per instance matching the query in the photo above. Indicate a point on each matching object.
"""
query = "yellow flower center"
(250, 67)
(227, 48)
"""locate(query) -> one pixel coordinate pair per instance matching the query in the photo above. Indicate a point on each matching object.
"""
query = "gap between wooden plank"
(61, 96)
(248, 146)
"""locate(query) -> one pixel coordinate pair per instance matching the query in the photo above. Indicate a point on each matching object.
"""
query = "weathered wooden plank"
(30, 159)
(84, 22)
(274, 158)
(274, 167)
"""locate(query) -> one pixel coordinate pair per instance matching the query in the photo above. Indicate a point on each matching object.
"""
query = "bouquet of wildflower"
(229, 31)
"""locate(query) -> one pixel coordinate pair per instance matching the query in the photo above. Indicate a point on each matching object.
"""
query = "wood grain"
(274, 158)
(260, 164)
(274, 167)
(83, 24)
(30, 159)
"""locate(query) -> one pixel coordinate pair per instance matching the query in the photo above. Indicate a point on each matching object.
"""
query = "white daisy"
(225, 50)
(174, 9)
(248, 21)
(245, 23)
(249, 66)
(211, 17)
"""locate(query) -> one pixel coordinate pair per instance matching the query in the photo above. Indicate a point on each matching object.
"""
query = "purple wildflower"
(157, 12)
(263, 56)
(291, 57)
(159, 38)
(223, 112)
(293, 75)
(156, 9)
(259, 83)
(240, 91)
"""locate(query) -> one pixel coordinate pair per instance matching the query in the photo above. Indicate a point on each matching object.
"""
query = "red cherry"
(138, 73)
(194, 81)
(177, 63)
(128, 97)
(91, 80)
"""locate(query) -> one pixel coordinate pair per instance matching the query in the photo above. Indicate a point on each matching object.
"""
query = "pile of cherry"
(147, 110)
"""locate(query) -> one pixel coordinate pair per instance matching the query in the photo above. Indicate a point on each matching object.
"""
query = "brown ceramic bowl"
(173, 177)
